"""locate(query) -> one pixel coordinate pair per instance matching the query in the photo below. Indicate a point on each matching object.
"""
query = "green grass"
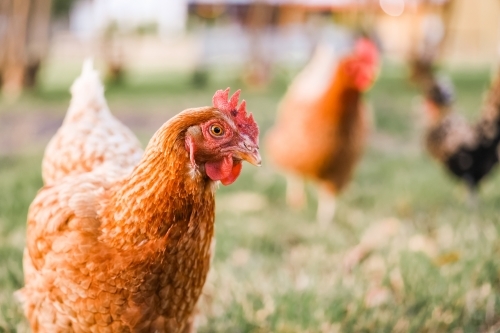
(276, 270)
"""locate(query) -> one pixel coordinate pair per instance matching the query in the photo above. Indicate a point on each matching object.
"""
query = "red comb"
(367, 49)
(244, 121)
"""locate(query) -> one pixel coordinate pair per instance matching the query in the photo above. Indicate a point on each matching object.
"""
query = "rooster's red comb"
(244, 121)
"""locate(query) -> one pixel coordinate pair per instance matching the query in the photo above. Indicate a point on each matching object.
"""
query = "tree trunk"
(24, 35)
(37, 39)
(13, 68)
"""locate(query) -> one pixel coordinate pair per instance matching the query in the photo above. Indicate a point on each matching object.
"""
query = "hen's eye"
(216, 130)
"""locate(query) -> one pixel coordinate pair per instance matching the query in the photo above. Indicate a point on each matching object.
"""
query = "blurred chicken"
(132, 255)
(468, 152)
(90, 135)
(322, 124)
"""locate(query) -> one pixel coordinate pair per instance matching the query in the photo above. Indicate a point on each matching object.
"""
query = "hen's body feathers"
(322, 123)
(330, 137)
(90, 135)
(96, 264)
(468, 152)
(121, 250)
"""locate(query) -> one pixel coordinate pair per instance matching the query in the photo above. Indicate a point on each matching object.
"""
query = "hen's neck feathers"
(162, 191)
(316, 77)
(341, 81)
(340, 103)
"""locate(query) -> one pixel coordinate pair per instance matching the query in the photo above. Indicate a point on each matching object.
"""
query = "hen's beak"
(249, 154)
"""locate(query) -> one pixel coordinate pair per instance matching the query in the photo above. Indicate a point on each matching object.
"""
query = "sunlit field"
(405, 253)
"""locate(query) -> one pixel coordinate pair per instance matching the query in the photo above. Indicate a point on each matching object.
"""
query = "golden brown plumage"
(132, 255)
(321, 127)
(90, 135)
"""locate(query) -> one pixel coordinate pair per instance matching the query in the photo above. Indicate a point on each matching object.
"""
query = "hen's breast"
(163, 299)
(322, 140)
(82, 283)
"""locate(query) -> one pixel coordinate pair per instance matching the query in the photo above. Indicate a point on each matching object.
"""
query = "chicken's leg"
(295, 192)
(326, 206)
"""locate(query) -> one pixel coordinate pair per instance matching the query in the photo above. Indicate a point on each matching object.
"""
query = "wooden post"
(37, 39)
(24, 35)
(14, 58)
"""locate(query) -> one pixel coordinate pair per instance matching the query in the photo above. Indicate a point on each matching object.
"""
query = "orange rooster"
(132, 255)
(90, 135)
(321, 127)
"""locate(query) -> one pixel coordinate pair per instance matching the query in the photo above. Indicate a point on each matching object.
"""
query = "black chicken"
(469, 152)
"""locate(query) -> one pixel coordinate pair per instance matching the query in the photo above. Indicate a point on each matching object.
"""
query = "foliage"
(61, 8)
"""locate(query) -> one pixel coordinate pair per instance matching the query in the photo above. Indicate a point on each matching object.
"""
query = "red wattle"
(224, 170)
(235, 172)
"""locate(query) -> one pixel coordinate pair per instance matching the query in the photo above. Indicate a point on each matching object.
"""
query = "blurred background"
(404, 253)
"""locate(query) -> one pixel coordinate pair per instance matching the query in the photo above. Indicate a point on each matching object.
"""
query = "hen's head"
(362, 65)
(218, 145)
(439, 98)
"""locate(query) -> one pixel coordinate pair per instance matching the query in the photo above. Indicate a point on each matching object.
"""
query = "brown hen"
(132, 255)
(321, 127)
